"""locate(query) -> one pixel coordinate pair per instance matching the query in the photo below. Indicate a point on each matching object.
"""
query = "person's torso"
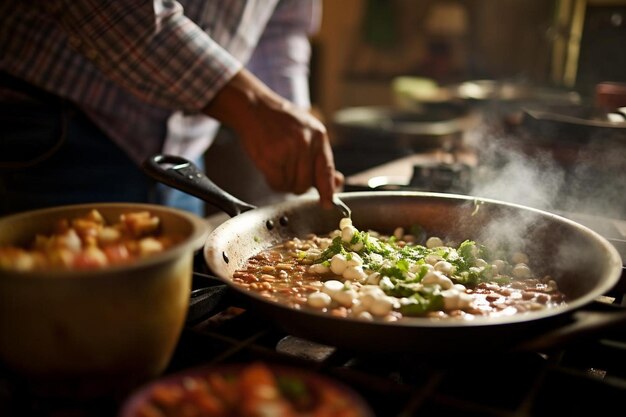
(36, 49)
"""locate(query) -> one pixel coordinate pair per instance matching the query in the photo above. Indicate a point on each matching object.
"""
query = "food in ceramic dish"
(370, 276)
(246, 390)
(88, 242)
(83, 333)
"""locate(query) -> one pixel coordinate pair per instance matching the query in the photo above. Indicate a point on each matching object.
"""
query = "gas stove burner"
(441, 177)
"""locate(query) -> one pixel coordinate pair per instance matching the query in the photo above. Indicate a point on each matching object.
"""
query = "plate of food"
(247, 390)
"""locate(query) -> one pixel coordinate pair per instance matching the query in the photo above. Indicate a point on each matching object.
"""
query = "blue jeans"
(83, 166)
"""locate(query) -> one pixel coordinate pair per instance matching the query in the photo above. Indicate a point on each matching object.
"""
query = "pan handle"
(584, 324)
(184, 175)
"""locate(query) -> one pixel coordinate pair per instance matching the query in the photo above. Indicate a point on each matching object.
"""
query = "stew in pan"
(370, 276)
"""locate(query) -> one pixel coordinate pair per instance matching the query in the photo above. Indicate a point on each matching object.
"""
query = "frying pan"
(583, 263)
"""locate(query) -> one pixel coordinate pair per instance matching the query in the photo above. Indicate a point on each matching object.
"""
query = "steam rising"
(592, 182)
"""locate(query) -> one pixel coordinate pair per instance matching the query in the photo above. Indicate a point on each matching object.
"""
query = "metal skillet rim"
(601, 288)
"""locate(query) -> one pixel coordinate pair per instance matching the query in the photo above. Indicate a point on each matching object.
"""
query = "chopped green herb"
(418, 304)
(335, 247)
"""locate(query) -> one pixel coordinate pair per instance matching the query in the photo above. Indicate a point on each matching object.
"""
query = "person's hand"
(288, 144)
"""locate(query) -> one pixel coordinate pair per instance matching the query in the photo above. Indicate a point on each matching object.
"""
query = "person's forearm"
(239, 99)
(288, 144)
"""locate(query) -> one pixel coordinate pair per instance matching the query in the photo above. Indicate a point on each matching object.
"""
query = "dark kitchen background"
(464, 94)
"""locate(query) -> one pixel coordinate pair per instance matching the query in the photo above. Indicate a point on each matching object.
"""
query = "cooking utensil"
(381, 128)
(342, 207)
(180, 173)
(582, 262)
(569, 125)
(93, 333)
(185, 175)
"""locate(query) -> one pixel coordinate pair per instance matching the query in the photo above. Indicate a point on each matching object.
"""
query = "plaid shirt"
(142, 70)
